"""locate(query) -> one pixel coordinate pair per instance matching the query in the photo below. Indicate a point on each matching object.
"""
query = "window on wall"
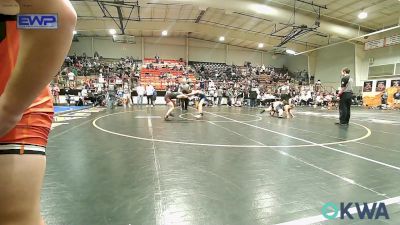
(397, 72)
(382, 71)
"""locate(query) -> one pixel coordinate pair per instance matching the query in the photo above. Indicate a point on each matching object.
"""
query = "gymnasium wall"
(274, 60)
(385, 55)
(330, 62)
(106, 48)
(297, 63)
(166, 48)
(377, 57)
(206, 51)
(83, 46)
(175, 48)
(237, 54)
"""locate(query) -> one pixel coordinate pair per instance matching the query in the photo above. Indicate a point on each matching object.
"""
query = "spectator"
(396, 97)
(284, 90)
(84, 94)
(67, 96)
(318, 86)
(149, 93)
(140, 92)
(229, 95)
(56, 93)
(154, 97)
(127, 96)
(71, 79)
(220, 93)
(253, 97)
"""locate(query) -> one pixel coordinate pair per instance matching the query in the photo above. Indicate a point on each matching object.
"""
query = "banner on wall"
(380, 85)
(367, 86)
(395, 83)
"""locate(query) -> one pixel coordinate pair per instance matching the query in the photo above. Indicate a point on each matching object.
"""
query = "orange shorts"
(30, 136)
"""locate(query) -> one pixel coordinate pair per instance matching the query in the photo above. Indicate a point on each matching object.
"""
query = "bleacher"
(218, 71)
(162, 73)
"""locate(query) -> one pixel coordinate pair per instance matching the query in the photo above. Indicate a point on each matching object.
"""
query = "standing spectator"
(229, 95)
(253, 97)
(284, 90)
(140, 92)
(112, 95)
(67, 96)
(220, 93)
(318, 86)
(84, 94)
(56, 94)
(246, 96)
(71, 79)
(345, 94)
(154, 97)
(215, 97)
(127, 96)
(149, 94)
(235, 96)
(258, 103)
(211, 92)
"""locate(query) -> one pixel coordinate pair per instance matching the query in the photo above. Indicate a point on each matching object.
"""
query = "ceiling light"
(222, 38)
(262, 9)
(363, 15)
(112, 31)
(74, 32)
(261, 45)
(290, 52)
(164, 33)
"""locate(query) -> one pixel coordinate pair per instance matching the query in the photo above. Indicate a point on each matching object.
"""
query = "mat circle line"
(94, 123)
(259, 118)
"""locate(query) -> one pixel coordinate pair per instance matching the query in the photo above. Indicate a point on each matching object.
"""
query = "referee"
(345, 95)
(184, 87)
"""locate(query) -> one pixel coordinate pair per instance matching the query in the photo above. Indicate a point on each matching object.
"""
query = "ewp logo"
(37, 21)
(373, 211)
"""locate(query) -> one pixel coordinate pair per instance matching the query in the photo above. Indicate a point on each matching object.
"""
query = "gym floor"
(235, 166)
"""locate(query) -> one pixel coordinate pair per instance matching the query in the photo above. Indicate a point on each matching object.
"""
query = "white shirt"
(284, 89)
(149, 90)
(84, 92)
(71, 76)
(140, 90)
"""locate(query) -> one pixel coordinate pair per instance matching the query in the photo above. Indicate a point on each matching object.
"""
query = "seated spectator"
(319, 100)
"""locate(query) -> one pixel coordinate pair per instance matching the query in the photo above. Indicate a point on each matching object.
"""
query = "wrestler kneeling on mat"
(170, 99)
(29, 59)
(279, 107)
